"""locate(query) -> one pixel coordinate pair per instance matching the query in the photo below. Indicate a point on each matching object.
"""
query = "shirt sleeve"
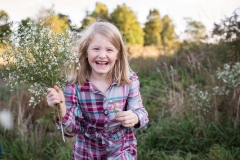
(73, 118)
(135, 102)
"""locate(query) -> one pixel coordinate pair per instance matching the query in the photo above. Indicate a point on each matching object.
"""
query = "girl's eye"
(109, 50)
(95, 49)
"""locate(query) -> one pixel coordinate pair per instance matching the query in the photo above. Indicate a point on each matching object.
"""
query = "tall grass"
(34, 135)
(186, 137)
(189, 118)
(194, 114)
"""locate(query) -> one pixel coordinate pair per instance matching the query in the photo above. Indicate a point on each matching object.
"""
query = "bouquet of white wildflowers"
(37, 56)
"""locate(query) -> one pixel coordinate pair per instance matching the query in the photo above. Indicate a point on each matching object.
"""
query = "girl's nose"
(102, 54)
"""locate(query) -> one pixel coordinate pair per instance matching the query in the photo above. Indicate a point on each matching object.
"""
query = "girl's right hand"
(55, 95)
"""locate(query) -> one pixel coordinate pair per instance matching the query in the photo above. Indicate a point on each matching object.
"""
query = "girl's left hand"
(127, 118)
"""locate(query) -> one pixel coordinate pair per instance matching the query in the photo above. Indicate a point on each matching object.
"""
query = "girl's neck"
(100, 78)
(101, 82)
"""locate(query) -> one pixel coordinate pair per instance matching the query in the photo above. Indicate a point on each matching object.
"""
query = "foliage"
(186, 139)
(38, 58)
(192, 98)
(167, 33)
(35, 144)
(5, 29)
(195, 31)
(228, 31)
(229, 28)
(153, 28)
(126, 21)
(57, 23)
(230, 75)
(100, 12)
(87, 20)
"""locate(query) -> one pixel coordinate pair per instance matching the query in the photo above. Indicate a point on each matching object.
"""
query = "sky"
(205, 11)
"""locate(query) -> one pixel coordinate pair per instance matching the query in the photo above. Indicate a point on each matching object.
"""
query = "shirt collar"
(93, 88)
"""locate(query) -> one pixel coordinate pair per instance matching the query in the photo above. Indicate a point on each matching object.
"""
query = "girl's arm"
(134, 101)
(136, 116)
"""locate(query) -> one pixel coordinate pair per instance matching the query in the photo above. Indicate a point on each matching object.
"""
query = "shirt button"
(106, 112)
(105, 125)
(107, 149)
(104, 98)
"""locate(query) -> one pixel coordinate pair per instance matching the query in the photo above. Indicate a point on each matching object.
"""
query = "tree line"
(156, 31)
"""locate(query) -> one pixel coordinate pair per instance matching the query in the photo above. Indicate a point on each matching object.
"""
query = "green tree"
(228, 31)
(126, 21)
(58, 23)
(87, 20)
(68, 21)
(100, 12)
(153, 28)
(5, 27)
(195, 31)
(229, 28)
(167, 34)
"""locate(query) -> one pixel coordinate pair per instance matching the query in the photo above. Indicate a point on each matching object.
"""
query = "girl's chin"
(102, 67)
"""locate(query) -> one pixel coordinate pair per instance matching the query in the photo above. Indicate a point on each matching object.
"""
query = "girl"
(101, 104)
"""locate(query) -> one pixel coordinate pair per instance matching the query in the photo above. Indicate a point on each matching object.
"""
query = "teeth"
(102, 62)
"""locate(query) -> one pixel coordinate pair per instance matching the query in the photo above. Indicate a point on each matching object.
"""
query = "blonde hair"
(121, 70)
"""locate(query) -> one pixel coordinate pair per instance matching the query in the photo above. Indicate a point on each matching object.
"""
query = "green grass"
(177, 129)
(37, 144)
(182, 138)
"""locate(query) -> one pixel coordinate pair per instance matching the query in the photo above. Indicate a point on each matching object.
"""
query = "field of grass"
(193, 111)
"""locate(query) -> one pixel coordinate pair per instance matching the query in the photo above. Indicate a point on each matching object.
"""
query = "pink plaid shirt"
(91, 118)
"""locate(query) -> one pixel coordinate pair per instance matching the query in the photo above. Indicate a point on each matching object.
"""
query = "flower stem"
(57, 111)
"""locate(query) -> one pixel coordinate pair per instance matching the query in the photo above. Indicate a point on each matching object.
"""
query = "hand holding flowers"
(56, 96)
(127, 118)
(38, 57)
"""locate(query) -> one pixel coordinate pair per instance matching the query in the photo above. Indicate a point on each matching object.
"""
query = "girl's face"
(102, 55)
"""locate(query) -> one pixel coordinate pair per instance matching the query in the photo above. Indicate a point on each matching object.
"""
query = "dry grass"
(149, 51)
(1, 52)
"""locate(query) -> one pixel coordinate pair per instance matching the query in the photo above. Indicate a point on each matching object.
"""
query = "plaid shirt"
(91, 118)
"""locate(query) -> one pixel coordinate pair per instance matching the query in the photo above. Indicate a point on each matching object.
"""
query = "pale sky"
(206, 11)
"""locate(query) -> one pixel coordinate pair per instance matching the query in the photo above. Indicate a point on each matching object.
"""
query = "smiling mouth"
(102, 63)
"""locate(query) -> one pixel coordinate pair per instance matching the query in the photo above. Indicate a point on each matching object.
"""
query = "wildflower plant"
(38, 57)
(230, 75)
(201, 100)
